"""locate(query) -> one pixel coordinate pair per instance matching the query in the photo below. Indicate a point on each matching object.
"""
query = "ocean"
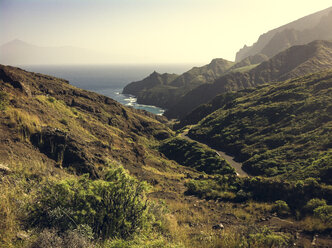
(109, 80)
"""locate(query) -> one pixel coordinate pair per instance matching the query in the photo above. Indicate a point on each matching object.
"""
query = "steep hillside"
(250, 60)
(284, 128)
(72, 128)
(164, 90)
(293, 62)
(153, 80)
(63, 151)
(313, 27)
(203, 110)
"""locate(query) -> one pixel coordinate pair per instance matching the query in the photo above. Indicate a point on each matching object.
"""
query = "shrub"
(114, 206)
(281, 208)
(324, 213)
(313, 204)
(242, 195)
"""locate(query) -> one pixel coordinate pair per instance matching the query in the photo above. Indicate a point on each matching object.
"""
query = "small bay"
(109, 80)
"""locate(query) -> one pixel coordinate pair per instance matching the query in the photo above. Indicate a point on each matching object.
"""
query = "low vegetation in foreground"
(57, 209)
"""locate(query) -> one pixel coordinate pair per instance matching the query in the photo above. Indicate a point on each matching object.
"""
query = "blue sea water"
(109, 80)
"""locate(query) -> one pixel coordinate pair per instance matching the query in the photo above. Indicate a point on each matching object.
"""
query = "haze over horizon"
(148, 31)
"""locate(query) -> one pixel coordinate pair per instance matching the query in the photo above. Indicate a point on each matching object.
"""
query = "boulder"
(22, 235)
(5, 170)
(219, 226)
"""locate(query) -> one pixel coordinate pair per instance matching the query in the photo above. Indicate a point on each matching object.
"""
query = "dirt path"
(236, 165)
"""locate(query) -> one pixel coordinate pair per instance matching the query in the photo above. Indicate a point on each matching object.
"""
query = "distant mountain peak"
(19, 52)
(219, 60)
(154, 73)
(16, 42)
(316, 26)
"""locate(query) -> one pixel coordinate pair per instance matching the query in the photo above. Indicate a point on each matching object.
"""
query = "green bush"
(281, 208)
(324, 213)
(114, 206)
(313, 204)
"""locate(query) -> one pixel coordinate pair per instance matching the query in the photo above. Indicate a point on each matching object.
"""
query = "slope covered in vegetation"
(195, 155)
(282, 134)
(78, 169)
(62, 153)
(277, 129)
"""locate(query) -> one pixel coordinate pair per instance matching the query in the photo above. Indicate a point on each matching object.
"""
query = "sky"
(150, 31)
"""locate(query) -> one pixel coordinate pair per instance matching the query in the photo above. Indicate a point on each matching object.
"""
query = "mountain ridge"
(72, 119)
(301, 31)
(293, 62)
(164, 92)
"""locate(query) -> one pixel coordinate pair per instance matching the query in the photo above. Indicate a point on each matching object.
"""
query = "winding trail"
(236, 165)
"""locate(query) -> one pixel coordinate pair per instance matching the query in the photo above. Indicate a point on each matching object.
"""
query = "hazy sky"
(150, 31)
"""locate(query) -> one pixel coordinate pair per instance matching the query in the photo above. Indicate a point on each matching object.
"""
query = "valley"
(230, 160)
(74, 132)
(242, 156)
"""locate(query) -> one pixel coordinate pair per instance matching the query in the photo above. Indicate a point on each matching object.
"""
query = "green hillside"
(78, 169)
(281, 129)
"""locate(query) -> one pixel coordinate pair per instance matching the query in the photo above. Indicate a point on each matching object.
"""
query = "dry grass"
(69, 119)
(17, 189)
(257, 209)
(27, 123)
(9, 224)
(312, 224)
(56, 105)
